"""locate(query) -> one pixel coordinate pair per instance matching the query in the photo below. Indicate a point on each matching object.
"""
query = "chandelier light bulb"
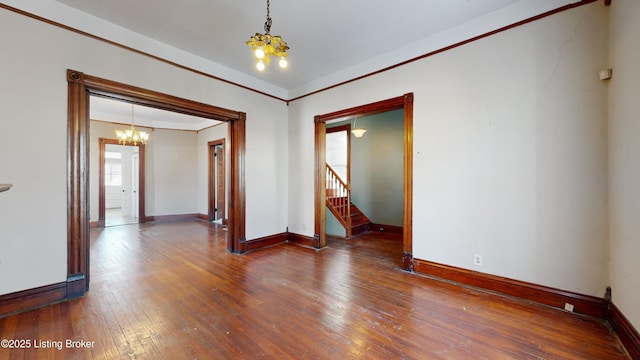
(283, 62)
(264, 46)
(132, 136)
(356, 131)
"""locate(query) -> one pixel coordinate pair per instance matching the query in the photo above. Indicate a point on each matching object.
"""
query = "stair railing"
(338, 197)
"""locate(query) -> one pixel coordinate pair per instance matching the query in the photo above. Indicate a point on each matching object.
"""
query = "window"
(112, 155)
(113, 174)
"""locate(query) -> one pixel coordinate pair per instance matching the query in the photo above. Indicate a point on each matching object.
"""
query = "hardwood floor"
(114, 217)
(172, 291)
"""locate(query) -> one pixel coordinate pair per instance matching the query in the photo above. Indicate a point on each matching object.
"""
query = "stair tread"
(360, 223)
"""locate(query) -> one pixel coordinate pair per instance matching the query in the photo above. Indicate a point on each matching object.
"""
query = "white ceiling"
(102, 109)
(324, 35)
(330, 40)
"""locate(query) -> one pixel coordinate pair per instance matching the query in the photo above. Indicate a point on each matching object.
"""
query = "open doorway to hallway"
(80, 87)
(323, 176)
(371, 168)
(161, 180)
(121, 176)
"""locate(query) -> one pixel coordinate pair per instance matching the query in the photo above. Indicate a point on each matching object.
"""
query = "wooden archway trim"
(80, 87)
(404, 102)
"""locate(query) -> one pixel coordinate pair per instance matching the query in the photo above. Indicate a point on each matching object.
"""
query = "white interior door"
(126, 182)
(135, 175)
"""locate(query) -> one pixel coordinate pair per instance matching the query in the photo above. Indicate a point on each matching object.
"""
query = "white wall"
(510, 151)
(267, 184)
(624, 139)
(33, 100)
(171, 184)
(377, 180)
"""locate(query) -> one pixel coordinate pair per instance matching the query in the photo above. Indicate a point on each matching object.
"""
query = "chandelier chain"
(267, 24)
(131, 135)
(265, 45)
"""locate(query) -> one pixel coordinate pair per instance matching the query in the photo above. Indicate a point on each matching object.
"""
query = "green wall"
(376, 170)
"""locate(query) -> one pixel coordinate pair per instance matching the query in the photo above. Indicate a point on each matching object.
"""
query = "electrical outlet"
(477, 260)
(568, 307)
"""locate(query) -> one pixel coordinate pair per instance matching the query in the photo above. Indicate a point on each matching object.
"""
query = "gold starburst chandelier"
(132, 136)
(265, 45)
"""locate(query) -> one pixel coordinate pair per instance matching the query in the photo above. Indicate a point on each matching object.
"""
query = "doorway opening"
(338, 150)
(405, 103)
(217, 182)
(80, 88)
(120, 189)
(341, 215)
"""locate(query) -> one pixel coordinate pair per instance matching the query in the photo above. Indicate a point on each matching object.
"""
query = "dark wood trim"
(407, 223)
(404, 102)
(110, 42)
(363, 110)
(172, 218)
(102, 145)
(627, 334)
(139, 96)
(145, 219)
(447, 48)
(20, 301)
(345, 127)
(211, 191)
(142, 181)
(80, 87)
(78, 179)
(407, 262)
(204, 217)
(102, 201)
(387, 228)
(76, 286)
(266, 241)
(450, 47)
(607, 2)
(583, 304)
(276, 239)
(320, 176)
(302, 240)
(237, 201)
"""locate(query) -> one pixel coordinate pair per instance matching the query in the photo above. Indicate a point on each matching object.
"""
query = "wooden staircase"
(338, 201)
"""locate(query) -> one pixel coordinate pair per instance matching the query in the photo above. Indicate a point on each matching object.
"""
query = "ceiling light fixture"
(356, 131)
(263, 46)
(132, 136)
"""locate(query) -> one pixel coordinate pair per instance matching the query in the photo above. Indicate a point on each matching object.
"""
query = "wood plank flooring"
(172, 291)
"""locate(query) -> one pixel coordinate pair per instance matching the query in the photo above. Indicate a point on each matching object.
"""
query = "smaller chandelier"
(132, 136)
(357, 132)
(264, 46)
